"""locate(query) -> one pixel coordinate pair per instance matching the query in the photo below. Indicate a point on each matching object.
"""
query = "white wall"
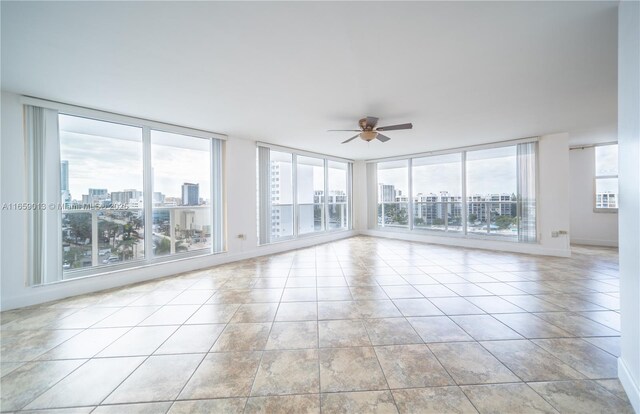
(553, 207)
(588, 227)
(629, 211)
(240, 178)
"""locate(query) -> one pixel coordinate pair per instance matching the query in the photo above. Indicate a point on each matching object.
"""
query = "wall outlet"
(563, 232)
(242, 236)
(554, 234)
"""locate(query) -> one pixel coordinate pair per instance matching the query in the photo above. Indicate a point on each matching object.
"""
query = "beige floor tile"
(140, 408)
(485, 327)
(350, 369)
(494, 304)
(30, 380)
(299, 295)
(470, 363)
(438, 329)
(297, 311)
(221, 313)
(293, 335)
(284, 404)
(342, 333)
(580, 397)
(333, 293)
(417, 307)
(191, 339)
(89, 384)
(86, 344)
(255, 312)
(530, 362)
(142, 340)
(242, 337)
(287, 372)
(391, 331)
(127, 317)
(375, 402)
(225, 405)
(576, 324)
(582, 356)
(456, 306)
(17, 346)
(170, 315)
(435, 400)
(152, 381)
(223, 375)
(193, 297)
(411, 366)
(614, 387)
(507, 398)
(530, 326)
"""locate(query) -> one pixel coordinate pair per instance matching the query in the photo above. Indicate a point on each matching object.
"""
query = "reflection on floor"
(357, 325)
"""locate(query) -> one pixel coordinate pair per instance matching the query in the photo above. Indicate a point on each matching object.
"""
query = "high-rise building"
(190, 194)
(65, 195)
(125, 196)
(387, 193)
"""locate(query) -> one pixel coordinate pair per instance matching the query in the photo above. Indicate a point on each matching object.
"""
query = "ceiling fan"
(368, 130)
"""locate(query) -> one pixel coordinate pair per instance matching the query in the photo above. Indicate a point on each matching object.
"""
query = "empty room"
(320, 207)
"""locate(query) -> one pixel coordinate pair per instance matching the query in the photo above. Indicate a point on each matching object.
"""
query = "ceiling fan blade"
(343, 130)
(351, 139)
(372, 121)
(395, 127)
(382, 138)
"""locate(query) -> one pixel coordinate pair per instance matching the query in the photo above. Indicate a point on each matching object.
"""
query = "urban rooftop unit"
(320, 207)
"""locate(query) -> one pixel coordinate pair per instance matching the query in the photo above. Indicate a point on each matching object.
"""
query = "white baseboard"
(593, 242)
(35, 295)
(482, 244)
(629, 384)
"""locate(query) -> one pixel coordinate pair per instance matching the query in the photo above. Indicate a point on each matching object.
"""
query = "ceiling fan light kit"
(369, 131)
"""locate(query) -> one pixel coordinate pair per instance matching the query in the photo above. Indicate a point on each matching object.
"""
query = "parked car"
(112, 259)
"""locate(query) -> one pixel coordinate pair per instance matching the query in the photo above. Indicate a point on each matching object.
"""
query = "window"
(282, 195)
(338, 199)
(485, 192)
(310, 194)
(393, 194)
(127, 193)
(101, 186)
(300, 194)
(437, 193)
(606, 178)
(181, 193)
(491, 191)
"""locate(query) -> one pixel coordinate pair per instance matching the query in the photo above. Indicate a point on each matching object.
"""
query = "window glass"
(281, 195)
(181, 193)
(606, 180)
(101, 186)
(491, 191)
(393, 194)
(310, 194)
(437, 192)
(338, 195)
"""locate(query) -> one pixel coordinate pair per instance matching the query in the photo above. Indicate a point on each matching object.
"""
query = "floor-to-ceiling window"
(393, 193)
(480, 192)
(491, 191)
(437, 192)
(127, 192)
(606, 178)
(301, 194)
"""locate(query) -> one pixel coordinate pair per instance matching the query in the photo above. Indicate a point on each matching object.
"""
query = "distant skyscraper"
(190, 194)
(64, 182)
(386, 193)
(64, 175)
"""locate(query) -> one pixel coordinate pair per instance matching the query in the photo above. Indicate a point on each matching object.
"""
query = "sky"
(115, 162)
(484, 175)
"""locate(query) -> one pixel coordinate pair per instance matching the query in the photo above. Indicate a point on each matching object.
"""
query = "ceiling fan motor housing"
(368, 135)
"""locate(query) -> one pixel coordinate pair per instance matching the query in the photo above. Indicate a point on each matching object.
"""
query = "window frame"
(597, 177)
(147, 126)
(295, 153)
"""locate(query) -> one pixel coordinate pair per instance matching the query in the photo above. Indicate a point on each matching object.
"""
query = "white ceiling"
(463, 73)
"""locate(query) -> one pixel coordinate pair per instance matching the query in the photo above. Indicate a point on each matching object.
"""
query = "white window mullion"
(463, 166)
(147, 193)
(294, 192)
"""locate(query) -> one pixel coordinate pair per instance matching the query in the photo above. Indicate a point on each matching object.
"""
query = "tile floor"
(358, 325)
